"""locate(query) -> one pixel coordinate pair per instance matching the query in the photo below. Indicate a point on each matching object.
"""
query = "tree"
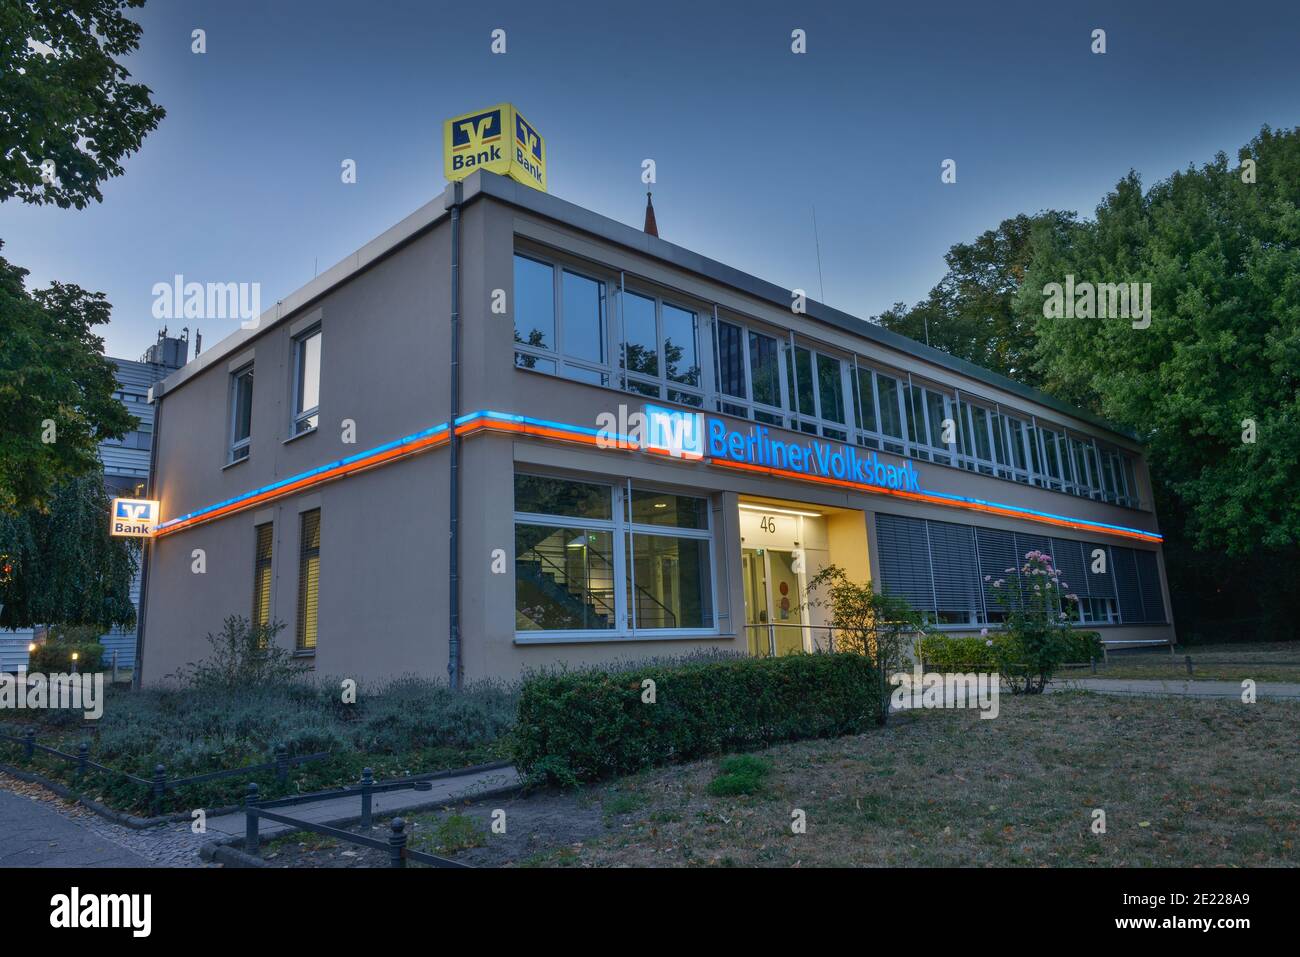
(867, 622)
(65, 99)
(1213, 385)
(56, 388)
(970, 313)
(66, 568)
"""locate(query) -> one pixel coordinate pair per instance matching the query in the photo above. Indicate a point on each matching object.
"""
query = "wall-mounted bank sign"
(497, 139)
(132, 517)
(695, 435)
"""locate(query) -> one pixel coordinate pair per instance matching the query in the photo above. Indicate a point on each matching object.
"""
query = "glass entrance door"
(773, 616)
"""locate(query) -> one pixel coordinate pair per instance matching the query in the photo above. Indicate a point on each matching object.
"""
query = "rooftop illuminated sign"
(497, 139)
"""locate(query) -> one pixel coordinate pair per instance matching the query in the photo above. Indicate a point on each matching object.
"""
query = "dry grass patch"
(1182, 781)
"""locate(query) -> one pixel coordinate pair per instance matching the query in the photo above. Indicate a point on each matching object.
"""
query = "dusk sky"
(241, 182)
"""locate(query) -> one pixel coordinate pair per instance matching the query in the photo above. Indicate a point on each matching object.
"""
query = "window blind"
(308, 580)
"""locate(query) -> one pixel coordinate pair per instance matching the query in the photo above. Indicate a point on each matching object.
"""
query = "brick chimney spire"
(651, 226)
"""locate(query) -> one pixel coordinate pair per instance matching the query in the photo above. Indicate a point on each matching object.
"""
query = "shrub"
(867, 622)
(243, 655)
(593, 723)
(54, 655)
(972, 652)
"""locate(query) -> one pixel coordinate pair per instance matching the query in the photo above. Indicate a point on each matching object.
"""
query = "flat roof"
(483, 183)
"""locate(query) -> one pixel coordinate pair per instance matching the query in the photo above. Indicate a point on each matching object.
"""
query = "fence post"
(281, 762)
(159, 787)
(250, 819)
(367, 782)
(29, 743)
(1094, 664)
(1189, 664)
(82, 751)
(397, 843)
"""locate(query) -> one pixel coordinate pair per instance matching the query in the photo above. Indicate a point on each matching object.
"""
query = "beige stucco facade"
(384, 316)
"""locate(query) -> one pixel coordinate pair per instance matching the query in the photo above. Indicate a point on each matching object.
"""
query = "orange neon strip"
(486, 424)
(341, 471)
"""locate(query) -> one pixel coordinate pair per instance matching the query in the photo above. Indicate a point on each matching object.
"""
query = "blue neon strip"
(583, 430)
(1030, 511)
(347, 460)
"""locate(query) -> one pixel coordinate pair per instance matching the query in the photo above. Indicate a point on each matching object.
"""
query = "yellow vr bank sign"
(133, 517)
(498, 139)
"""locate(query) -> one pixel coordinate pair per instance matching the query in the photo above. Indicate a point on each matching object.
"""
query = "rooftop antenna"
(817, 242)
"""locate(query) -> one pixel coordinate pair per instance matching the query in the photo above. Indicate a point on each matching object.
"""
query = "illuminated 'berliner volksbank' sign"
(692, 435)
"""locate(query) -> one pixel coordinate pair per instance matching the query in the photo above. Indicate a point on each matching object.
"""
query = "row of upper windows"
(306, 395)
(656, 347)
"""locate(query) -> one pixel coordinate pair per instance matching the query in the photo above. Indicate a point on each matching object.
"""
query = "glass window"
(681, 345)
(830, 388)
(669, 585)
(805, 405)
(641, 339)
(890, 417)
(241, 429)
(980, 432)
(731, 360)
(307, 398)
(540, 495)
(764, 369)
(936, 408)
(564, 579)
(665, 508)
(584, 317)
(587, 570)
(865, 403)
(534, 303)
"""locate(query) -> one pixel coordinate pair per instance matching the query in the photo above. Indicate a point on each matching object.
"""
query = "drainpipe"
(147, 550)
(453, 558)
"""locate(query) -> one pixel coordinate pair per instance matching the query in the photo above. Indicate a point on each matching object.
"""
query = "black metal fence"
(395, 844)
(159, 784)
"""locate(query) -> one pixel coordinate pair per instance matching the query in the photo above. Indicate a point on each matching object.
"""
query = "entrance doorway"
(774, 616)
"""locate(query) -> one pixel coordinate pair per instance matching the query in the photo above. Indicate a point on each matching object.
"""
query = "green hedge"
(584, 725)
(56, 656)
(962, 652)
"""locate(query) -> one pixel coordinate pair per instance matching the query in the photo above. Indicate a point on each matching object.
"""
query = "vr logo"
(528, 137)
(134, 511)
(472, 133)
(133, 517)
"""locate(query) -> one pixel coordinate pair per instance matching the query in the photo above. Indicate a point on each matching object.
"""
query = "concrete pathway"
(1275, 690)
(33, 834)
(330, 810)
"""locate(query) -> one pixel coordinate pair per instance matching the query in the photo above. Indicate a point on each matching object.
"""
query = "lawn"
(1261, 661)
(1183, 782)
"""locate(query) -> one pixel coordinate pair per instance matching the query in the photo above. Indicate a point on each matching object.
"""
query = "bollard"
(367, 782)
(1094, 664)
(250, 819)
(29, 743)
(1189, 664)
(397, 843)
(281, 762)
(82, 750)
(159, 787)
